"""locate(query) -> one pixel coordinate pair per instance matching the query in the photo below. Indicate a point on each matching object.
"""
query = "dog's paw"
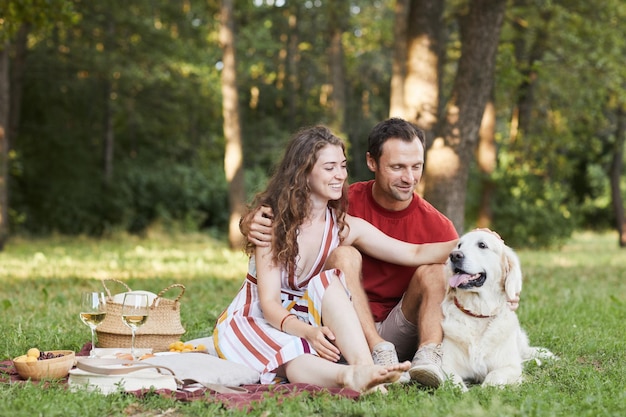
(455, 381)
(538, 354)
(502, 378)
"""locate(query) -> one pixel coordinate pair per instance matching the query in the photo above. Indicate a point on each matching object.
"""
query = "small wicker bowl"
(47, 368)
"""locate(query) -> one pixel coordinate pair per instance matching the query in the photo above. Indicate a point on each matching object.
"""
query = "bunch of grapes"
(48, 355)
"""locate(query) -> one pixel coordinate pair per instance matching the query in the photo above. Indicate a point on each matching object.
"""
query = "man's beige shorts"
(399, 331)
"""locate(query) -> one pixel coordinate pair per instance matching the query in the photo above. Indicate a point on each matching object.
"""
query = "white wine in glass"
(134, 315)
(92, 312)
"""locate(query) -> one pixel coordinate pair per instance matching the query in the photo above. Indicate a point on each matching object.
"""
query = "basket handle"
(109, 297)
(164, 290)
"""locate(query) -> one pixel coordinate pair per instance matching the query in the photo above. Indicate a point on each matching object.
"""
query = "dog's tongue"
(459, 279)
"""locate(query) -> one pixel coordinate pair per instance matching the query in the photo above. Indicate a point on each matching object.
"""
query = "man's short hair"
(393, 128)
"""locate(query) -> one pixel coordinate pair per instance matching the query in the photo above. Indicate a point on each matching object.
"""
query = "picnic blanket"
(255, 394)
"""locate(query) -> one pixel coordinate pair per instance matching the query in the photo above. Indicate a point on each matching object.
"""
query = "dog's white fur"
(489, 349)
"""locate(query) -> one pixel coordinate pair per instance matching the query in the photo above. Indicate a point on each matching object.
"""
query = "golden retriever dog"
(483, 341)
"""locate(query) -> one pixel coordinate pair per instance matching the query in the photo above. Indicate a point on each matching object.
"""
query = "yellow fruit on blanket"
(33, 352)
(180, 346)
(176, 346)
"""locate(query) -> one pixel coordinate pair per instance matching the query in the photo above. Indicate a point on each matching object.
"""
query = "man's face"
(397, 173)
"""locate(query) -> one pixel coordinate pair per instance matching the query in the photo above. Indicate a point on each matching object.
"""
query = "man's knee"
(427, 280)
(345, 258)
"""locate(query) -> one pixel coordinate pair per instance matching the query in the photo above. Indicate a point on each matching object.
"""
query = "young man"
(398, 307)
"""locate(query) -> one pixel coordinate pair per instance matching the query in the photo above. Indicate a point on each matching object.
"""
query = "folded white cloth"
(206, 369)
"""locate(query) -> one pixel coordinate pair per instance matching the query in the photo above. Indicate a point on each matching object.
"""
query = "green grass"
(573, 303)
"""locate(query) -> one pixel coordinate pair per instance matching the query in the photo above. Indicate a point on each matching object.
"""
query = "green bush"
(181, 194)
(187, 197)
(531, 211)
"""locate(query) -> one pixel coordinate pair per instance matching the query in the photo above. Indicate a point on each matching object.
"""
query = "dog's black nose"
(456, 255)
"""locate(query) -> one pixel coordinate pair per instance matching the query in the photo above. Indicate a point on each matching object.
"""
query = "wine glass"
(134, 314)
(92, 312)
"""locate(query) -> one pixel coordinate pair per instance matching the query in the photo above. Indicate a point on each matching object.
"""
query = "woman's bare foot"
(369, 378)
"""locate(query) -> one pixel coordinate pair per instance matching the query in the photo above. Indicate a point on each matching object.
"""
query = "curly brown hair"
(287, 193)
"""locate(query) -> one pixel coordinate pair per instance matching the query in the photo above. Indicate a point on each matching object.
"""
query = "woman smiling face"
(328, 176)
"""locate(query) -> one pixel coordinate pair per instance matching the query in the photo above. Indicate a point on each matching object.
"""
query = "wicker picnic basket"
(162, 327)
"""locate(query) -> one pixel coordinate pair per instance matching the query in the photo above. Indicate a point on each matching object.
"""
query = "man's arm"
(513, 303)
(257, 226)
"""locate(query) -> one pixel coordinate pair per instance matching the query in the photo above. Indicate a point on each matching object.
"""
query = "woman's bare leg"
(339, 315)
(348, 259)
(312, 369)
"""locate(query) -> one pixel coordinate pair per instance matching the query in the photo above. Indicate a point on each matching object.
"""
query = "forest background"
(119, 116)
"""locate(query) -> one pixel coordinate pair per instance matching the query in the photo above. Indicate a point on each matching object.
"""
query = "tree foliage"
(559, 66)
(145, 77)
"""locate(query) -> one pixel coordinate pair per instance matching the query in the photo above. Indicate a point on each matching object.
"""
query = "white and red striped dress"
(243, 335)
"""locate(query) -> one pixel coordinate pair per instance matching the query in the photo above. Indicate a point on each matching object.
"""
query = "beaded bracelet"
(283, 320)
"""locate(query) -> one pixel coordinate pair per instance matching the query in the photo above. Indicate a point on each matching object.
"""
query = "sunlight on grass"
(587, 260)
(573, 303)
(122, 259)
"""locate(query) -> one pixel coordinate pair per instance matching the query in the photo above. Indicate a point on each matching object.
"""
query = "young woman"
(292, 318)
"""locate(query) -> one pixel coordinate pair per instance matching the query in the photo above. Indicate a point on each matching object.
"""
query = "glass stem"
(92, 353)
(132, 343)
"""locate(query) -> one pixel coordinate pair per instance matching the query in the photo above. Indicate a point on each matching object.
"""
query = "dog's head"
(482, 260)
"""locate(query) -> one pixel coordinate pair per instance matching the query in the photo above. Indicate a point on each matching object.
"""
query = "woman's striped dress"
(242, 335)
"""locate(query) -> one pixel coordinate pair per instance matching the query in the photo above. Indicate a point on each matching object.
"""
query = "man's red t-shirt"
(385, 283)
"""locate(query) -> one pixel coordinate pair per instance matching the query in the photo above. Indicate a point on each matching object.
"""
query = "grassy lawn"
(573, 303)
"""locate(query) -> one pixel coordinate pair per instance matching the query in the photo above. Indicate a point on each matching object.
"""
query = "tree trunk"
(281, 69)
(107, 123)
(233, 156)
(486, 157)
(421, 87)
(526, 62)
(339, 10)
(617, 166)
(399, 61)
(449, 158)
(109, 134)
(293, 56)
(4, 145)
(17, 79)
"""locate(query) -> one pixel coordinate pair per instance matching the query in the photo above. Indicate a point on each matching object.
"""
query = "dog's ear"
(512, 273)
